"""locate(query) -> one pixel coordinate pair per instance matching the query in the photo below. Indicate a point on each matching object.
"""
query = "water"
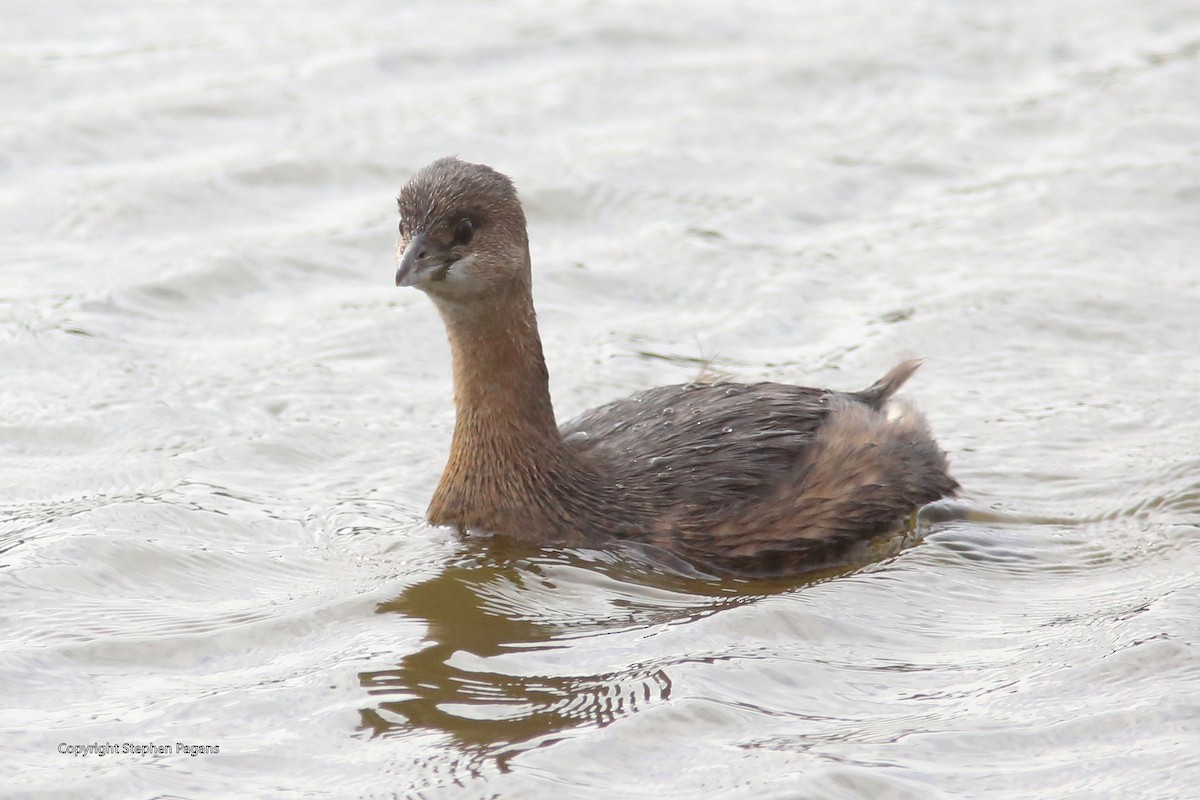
(221, 422)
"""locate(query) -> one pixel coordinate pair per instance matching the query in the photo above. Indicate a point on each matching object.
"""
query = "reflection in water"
(487, 676)
(501, 672)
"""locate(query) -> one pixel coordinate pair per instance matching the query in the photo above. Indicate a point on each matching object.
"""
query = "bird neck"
(501, 386)
(509, 469)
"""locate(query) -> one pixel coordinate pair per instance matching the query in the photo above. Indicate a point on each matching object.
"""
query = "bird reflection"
(494, 623)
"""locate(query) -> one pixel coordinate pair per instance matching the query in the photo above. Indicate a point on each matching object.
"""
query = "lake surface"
(220, 422)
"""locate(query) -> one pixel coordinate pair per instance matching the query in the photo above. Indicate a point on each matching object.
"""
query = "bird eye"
(464, 231)
(402, 227)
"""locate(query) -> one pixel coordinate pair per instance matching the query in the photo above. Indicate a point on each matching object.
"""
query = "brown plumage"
(749, 479)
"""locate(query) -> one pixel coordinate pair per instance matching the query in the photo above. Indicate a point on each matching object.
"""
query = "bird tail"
(878, 392)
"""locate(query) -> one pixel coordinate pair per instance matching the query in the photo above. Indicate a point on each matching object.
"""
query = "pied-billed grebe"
(749, 479)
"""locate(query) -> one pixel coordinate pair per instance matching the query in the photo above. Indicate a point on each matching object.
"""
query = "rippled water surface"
(220, 422)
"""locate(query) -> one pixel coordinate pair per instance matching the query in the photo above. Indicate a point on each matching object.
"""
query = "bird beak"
(414, 263)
